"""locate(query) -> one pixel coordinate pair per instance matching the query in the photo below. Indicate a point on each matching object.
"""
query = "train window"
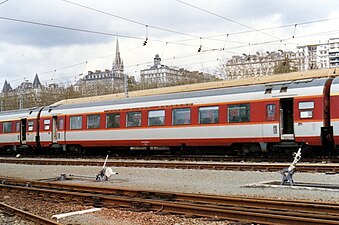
(113, 120)
(239, 113)
(30, 125)
(61, 124)
(268, 91)
(47, 124)
(76, 122)
(156, 118)
(271, 112)
(93, 121)
(283, 89)
(133, 119)
(7, 127)
(181, 116)
(208, 115)
(17, 127)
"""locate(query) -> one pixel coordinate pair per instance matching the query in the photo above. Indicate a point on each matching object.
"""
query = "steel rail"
(320, 168)
(28, 216)
(240, 212)
(305, 206)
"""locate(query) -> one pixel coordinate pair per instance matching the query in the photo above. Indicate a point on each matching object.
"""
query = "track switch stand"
(287, 173)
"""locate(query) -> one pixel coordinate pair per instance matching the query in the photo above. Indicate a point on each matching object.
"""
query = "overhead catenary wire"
(263, 29)
(88, 31)
(185, 56)
(212, 49)
(225, 18)
(3, 2)
(129, 20)
(68, 28)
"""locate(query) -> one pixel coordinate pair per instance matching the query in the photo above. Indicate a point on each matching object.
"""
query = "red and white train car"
(250, 118)
(19, 129)
(334, 112)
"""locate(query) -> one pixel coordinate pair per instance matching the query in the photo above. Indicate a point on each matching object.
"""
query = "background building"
(314, 56)
(160, 75)
(30, 94)
(261, 64)
(333, 52)
(320, 55)
(104, 82)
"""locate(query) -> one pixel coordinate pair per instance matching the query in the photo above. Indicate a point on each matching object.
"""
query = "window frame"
(5, 127)
(177, 119)
(240, 117)
(70, 122)
(113, 122)
(161, 120)
(208, 108)
(131, 123)
(95, 123)
(61, 124)
(18, 127)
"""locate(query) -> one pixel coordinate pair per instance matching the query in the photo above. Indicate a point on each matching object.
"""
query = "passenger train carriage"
(19, 128)
(252, 118)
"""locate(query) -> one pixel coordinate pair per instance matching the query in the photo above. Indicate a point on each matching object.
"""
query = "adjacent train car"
(19, 129)
(245, 119)
(334, 112)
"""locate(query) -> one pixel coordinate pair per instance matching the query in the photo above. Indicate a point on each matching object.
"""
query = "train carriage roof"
(335, 86)
(258, 88)
(310, 74)
(19, 114)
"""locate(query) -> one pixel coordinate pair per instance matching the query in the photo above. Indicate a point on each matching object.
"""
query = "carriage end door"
(23, 131)
(61, 132)
(54, 129)
(286, 119)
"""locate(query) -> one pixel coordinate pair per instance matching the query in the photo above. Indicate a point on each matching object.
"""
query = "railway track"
(10, 210)
(319, 168)
(195, 158)
(244, 209)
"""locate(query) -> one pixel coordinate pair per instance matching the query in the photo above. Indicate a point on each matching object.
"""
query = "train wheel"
(76, 150)
(9, 149)
(251, 149)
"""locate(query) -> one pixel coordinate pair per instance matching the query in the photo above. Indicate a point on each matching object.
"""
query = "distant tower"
(157, 61)
(118, 64)
(36, 82)
(7, 87)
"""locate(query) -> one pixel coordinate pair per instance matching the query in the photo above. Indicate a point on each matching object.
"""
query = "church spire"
(118, 65)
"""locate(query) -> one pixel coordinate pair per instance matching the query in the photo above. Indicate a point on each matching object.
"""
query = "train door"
(54, 129)
(286, 119)
(61, 129)
(23, 130)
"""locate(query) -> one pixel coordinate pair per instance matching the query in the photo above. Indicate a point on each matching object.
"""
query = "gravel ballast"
(185, 180)
(213, 182)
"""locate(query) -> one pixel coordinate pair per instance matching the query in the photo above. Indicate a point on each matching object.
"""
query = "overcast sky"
(59, 39)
